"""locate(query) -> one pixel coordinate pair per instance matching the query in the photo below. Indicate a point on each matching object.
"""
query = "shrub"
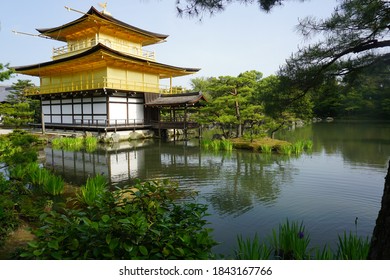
(8, 216)
(148, 224)
(18, 147)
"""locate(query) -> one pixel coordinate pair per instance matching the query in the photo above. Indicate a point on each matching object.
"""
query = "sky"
(239, 39)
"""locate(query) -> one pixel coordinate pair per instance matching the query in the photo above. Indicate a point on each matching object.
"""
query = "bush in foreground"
(143, 222)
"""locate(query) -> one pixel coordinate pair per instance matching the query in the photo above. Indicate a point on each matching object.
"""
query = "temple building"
(103, 78)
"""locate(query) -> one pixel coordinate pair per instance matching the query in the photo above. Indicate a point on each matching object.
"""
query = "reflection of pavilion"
(232, 183)
(118, 163)
(125, 161)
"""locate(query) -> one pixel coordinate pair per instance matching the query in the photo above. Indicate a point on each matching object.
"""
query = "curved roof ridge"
(93, 12)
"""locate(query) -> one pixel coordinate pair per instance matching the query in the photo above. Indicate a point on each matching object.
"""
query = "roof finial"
(104, 6)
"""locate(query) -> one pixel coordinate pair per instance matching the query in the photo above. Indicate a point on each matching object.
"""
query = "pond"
(338, 183)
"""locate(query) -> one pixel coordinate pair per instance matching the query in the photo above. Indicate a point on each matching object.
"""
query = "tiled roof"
(189, 99)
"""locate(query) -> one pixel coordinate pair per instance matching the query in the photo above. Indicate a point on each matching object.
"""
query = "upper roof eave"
(101, 47)
(93, 12)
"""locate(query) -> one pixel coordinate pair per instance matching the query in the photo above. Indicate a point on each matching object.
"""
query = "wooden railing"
(110, 83)
(72, 49)
(109, 122)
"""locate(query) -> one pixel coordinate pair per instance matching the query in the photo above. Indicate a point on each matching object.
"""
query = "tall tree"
(279, 109)
(371, 89)
(327, 99)
(231, 101)
(18, 92)
(19, 109)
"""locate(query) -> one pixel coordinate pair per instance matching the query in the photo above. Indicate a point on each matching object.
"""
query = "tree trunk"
(380, 242)
(238, 116)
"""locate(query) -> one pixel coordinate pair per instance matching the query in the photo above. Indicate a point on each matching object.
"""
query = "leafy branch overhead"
(355, 36)
(197, 8)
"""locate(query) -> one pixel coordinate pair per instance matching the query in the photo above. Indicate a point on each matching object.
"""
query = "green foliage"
(282, 105)
(352, 37)
(197, 8)
(54, 185)
(296, 148)
(266, 149)
(19, 109)
(16, 115)
(19, 90)
(324, 254)
(8, 215)
(217, 145)
(142, 222)
(231, 103)
(252, 249)
(91, 193)
(291, 242)
(5, 72)
(285, 150)
(68, 143)
(351, 247)
(40, 179)
(18, 147)
(89, 143)
(308, 145)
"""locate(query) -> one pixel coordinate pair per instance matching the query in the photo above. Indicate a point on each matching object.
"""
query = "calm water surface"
(340, 180)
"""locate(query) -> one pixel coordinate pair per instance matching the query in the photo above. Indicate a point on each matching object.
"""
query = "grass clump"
(266, 149)
(252, 249)
(93, 190)
(290, 241)
(89, 143)
(217, 145)
(40, 179)
(351, 247)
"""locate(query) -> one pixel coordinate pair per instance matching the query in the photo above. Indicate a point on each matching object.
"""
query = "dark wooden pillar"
(185, 122)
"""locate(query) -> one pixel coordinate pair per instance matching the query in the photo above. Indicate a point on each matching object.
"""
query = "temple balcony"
(110, 83)
(73, 49)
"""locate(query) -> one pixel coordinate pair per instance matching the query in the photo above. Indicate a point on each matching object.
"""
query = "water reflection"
(232, 182)
(118, 162)
(253, 179)
(250, 193)
(358, 142)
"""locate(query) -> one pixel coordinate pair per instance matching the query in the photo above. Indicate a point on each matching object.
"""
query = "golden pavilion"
(103, 78)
